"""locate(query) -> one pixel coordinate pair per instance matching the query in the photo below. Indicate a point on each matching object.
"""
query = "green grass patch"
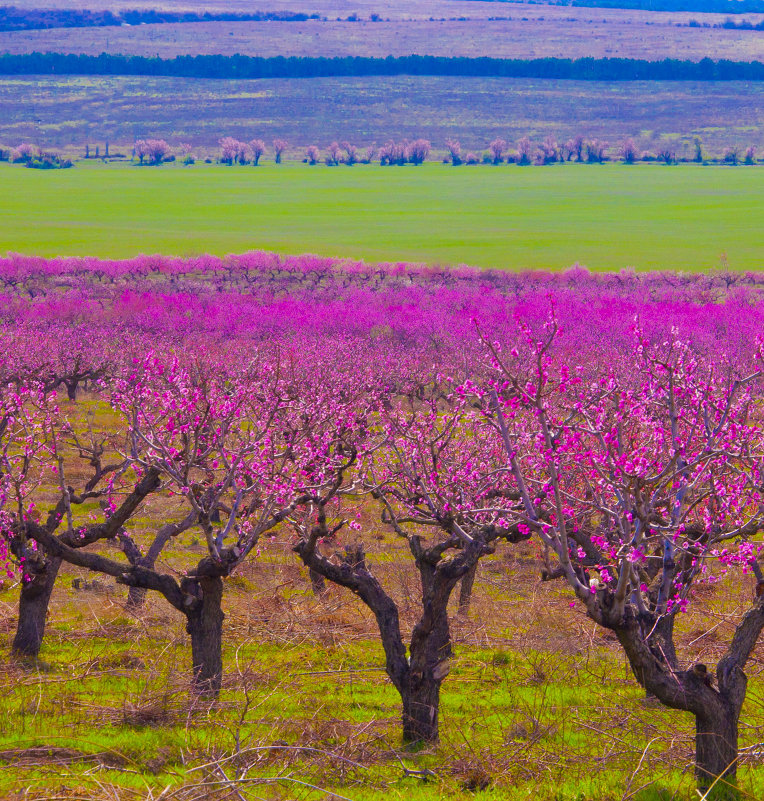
(606, 217)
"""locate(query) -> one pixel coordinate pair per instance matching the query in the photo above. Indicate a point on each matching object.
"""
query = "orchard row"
(578, 149)
(614, 420)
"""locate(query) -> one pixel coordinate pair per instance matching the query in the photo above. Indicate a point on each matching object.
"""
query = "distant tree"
(750, 155)
(472, 158)
(595, 151)
(628, 151)
(576, 145)
(24, 152)
(333, 154)
(351, 153)
(667, 154)
(418, 151)
(548, 152)
(498, 147)
(279, 146)
(153, 150)
(232, 151)
(732, 155)
(185, 151)
(312, 154)
(524, 151)
(566, 150)
(698, 150)
(257, 148)
(454, 151)
(394, 153)
(371, 152)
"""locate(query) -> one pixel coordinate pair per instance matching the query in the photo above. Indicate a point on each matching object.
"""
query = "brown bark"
(34, 598)
(205, 625)
(317, 583)
(421, 704)
(465, 591)
(417, 678)
(716, 750)
(715, 704)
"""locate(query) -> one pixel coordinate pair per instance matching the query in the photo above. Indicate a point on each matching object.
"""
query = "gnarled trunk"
(421, 705)
(465, 591)
(33, 607)
(317, 583)
(205, 625)
(71, 389)
(429, 651)
(716, 750)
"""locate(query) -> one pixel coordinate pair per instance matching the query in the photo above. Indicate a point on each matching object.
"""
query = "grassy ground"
(604, 216)
(539, 704)
(66, 112)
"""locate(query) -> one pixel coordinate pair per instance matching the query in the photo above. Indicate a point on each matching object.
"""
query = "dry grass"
(522, 32)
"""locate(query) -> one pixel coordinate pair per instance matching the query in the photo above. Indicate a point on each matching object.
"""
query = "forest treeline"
(13, 18)
(238, 66)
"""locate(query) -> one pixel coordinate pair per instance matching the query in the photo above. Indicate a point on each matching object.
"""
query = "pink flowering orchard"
(640, 483)
(614, 420)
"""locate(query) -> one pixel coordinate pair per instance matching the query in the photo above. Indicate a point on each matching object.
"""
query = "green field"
(606, 217)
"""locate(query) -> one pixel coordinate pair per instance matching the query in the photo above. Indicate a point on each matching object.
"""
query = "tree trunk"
(465, 591)
(421, 704)
(205, 625)
(317, 583)
(33, 609)
(716, 751)
(71, 389)
(430, 651)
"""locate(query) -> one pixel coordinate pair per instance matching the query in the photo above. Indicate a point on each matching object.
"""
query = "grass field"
(68, 111)
(607, 217)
